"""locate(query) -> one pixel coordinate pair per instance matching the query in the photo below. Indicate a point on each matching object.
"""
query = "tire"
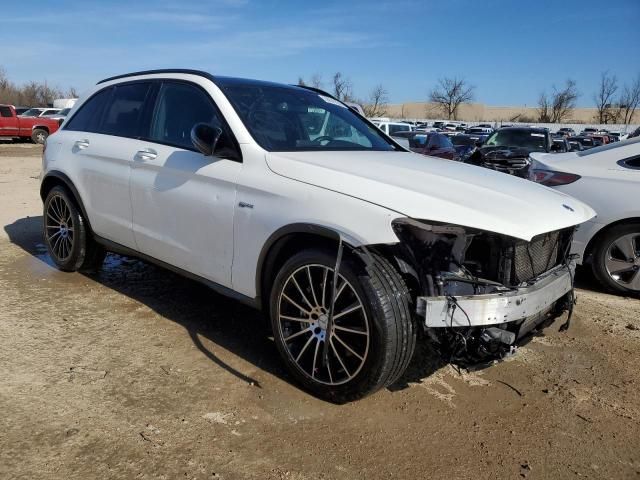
(66, 234)
(39, 135)
(374, 336)
(616, 259)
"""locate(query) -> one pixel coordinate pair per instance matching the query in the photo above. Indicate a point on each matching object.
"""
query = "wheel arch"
(57, 178)
(283, 243)
(41, 127)
(593, 241)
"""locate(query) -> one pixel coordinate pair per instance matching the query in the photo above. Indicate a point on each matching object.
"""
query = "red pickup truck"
(35, 128)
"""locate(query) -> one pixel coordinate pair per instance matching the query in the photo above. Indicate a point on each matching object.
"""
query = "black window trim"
(624, 163)
(149, 109)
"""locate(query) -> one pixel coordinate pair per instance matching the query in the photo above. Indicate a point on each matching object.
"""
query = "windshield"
(285, 119)
(534, 141)
(64, 112)
(32, 112)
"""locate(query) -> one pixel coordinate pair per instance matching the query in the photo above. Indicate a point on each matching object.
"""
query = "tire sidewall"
(36, 132)
(78, 251)
(355, 273)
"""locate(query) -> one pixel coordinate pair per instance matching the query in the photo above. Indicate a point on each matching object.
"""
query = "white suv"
(283, 198)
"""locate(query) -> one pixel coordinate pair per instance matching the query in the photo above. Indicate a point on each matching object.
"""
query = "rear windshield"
(609, 146)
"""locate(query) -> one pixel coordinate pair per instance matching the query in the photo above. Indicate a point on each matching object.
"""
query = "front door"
(183, 202)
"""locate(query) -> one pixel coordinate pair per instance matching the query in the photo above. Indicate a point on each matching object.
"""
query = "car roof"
(525, 129)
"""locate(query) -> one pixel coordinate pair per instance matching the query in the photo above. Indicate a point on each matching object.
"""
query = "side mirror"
(205, 138)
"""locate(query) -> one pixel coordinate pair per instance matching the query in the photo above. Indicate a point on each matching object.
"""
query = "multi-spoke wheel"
(359, 346)
(65, 234)
(58, 228)
(616, 261)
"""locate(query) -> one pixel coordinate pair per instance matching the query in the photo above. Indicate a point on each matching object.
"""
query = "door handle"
(82, 144)
(146, 154)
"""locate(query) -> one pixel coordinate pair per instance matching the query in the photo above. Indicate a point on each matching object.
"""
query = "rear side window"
(179, 107)
(123, 112)
(87, 118)
(5, 112)
(398, 128)
(633, 163)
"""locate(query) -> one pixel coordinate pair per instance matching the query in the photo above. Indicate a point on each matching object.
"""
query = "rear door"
(103, 137)
(183, 202)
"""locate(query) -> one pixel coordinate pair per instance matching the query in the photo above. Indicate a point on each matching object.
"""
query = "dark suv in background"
(507, 149)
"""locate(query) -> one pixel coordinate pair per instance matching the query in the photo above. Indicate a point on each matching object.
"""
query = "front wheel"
(372, 338)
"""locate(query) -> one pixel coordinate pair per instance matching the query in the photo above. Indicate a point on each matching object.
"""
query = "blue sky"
(510, 50)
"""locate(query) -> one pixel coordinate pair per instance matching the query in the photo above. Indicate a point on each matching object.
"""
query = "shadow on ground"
(202, 312)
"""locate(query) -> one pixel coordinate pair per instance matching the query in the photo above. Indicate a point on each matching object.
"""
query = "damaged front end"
(482, 293)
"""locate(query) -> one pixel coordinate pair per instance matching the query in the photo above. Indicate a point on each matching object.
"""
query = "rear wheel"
(66, 234)
(616, 259)
(39, 135)
(372, 338)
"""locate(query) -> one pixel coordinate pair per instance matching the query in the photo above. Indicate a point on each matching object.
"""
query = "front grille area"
(512, 262)
(530, 259)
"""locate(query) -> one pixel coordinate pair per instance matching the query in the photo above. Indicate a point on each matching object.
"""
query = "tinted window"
(609, 146)
(419, 140)
(531, 139)
(398, 128)
(633, 162)
(295, 119)
(179, 107)
(124, 110)
(445, 142)
(5, 112)
(87, 118)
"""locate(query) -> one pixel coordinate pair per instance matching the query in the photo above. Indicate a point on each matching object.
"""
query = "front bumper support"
(497, 308)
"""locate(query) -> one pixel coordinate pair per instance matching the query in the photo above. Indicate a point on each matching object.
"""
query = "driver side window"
(179, 107)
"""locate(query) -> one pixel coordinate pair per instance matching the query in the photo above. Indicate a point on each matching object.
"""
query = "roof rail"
(165, 70)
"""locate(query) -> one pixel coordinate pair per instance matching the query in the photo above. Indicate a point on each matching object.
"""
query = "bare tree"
(377, 104)
(629, 101)
(544, 108)
(72, 92)
(301, 82)
(342, 87)
(449, 94)
(558, 106)
(608, 87)
(316, 80)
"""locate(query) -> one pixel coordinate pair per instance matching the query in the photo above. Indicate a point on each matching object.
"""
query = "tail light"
(551, 178)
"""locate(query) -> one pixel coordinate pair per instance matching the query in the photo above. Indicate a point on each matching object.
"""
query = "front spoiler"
(497, 308)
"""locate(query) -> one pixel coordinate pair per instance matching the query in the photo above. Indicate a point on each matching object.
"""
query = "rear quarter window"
(124, 110)
(632, 163)
(5, 112)
(87, 118)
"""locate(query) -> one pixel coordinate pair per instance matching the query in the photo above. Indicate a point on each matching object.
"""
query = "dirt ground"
(135, 372)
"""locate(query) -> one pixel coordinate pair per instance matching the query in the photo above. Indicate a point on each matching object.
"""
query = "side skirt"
(129, 252)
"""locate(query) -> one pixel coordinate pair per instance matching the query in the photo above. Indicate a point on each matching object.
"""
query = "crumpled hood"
(430, 188)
